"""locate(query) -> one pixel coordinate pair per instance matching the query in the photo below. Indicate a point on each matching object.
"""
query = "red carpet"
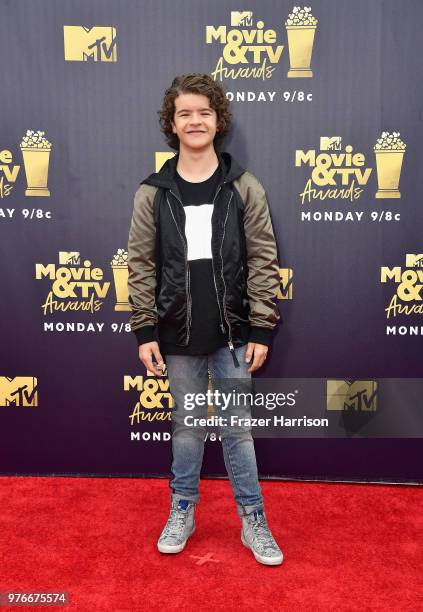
(346, 547)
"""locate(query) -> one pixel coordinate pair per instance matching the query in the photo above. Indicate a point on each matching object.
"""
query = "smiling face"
(194, 121)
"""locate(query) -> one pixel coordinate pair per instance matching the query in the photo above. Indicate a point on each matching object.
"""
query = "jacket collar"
(231, 170)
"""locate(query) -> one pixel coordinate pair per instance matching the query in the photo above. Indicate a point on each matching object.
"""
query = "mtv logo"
(161, 158)
(97, 44)
(330, 143)
(241, 18)
(413, 261)
(18, 391)
(285, 289)
(355, 395)
(69, 258)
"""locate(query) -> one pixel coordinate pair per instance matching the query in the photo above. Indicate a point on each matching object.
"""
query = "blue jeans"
(189, 375)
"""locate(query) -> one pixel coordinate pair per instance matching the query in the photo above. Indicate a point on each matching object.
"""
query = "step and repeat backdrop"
(327, 113)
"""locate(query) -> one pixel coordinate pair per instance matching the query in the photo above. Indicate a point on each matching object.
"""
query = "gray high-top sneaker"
(180, 525)
(256, 535)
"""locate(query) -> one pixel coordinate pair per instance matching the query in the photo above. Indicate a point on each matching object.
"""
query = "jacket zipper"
(230, 344)
(187, 273)
(222, 327)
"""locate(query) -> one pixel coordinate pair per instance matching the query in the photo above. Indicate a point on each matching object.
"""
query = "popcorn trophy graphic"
(119, 265)
(300, 27)
(389, 151)
(36, 156)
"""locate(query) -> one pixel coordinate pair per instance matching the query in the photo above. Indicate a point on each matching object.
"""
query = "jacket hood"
(231, 170)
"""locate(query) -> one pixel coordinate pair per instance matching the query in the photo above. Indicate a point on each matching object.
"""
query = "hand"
(260, 354)
(146, 353)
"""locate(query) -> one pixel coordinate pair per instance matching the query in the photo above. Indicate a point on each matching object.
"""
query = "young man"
(203, 277)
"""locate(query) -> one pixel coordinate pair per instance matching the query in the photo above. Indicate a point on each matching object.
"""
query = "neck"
(197, 165)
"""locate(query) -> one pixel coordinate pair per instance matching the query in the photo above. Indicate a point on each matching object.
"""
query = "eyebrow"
(187, 110)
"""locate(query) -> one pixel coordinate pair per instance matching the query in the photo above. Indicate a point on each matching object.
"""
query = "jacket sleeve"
(263, 280)
(142, 266)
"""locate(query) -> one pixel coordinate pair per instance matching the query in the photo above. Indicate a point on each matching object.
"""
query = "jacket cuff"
(145, 334)
(261, 335)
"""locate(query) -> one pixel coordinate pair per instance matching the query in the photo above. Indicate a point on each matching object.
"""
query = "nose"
(196, 120)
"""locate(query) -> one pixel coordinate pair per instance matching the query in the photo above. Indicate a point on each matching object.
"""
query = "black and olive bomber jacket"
(244, 257)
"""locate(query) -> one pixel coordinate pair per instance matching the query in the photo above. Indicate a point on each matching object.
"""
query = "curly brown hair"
(198, 83)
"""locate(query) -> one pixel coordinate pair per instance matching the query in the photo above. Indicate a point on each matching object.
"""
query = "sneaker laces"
(262, 533)
(175, 523)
